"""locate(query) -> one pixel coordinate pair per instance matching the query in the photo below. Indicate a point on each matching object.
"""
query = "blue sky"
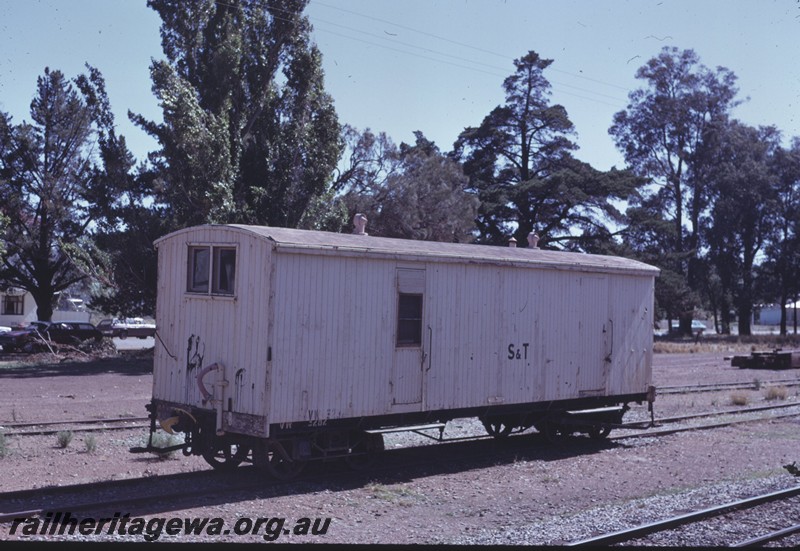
(438, 65)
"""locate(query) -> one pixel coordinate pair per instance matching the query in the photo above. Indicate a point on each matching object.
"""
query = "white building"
(17, 308)
(771, 314)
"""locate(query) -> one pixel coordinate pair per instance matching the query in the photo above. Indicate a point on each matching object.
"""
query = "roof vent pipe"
(360, 223)
(533, 240)
(512, 243)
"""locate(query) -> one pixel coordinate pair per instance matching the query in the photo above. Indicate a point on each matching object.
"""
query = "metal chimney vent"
(360, 224)
(533, 240)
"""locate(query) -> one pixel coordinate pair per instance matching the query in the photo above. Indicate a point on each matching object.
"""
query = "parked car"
(62, 332)
(17, 339)
(127, 327)
(698, 325)
(73, 332)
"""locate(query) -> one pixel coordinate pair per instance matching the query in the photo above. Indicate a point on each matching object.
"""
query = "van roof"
(320, 242)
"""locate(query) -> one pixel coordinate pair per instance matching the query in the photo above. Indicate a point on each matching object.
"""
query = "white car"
(127, 327)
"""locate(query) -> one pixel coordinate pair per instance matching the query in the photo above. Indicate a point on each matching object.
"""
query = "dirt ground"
(517, 497)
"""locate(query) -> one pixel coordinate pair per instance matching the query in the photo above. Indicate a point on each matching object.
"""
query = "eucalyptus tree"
(648, 236)
(782, 263)
(743, 188)
(661, 134)
(520, 164)
(249, 133)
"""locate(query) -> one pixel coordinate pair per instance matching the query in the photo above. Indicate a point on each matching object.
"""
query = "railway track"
(752, 385)
(674, 420)
(143, 494)
(91, 425)
(83, 425)
(140, 494)
(147, 495)
(775, 535)
(118, 423)
(644, 533)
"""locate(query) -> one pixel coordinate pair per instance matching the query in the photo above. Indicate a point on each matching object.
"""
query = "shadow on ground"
(44, 365)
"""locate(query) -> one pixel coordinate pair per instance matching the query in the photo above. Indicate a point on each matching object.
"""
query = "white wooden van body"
(304, 328)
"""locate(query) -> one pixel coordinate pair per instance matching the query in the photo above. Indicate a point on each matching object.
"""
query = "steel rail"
(766, 538)
(632, 425)
(638, 424)
(729, 383)
(689, 389)
(688, 518)
(120, 502)
(220, 482)
(664, 432)
(83, 488)
(74, 422)
(76, 429)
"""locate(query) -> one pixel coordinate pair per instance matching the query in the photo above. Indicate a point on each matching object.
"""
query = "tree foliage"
(661, 134)
(49, 188)
(778, 273)
(520, 164)
(249, 133)
(742, 188)
(412, 192)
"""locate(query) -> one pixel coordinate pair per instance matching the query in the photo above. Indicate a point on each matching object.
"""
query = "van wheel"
(497, 427)
(551, 430)
(365, 451)
(225, 456)
(598, 432)
(272, 457)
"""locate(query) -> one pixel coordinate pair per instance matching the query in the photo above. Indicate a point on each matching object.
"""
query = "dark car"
(17, 339)
(73, 332)
(60, 332)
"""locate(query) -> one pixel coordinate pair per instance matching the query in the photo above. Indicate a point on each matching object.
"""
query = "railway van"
(282, 346)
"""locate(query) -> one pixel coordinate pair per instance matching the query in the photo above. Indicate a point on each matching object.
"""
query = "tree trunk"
(685, 324)
(44, 298)
(725, 315)
(783, 314)
(745, 313)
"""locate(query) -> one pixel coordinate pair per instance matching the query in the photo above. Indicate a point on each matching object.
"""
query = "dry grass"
(776, 393)
(740, 399)
(91, 443)
(63, 438)
(724, 343)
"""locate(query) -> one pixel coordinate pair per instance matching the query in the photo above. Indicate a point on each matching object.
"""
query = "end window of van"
(211, 270)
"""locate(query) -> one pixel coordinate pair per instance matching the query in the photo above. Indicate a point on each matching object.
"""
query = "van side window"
(211, 270)
(409, 320)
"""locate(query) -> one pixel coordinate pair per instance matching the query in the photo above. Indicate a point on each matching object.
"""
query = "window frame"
(214, 284)
(17, 302)
(414, 322)
(217, 265)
